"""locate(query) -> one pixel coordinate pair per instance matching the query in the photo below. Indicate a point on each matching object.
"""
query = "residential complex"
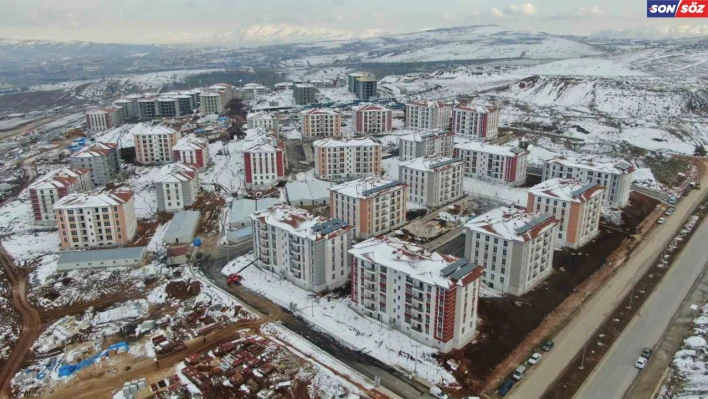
(44, 193)
(426, 144)
(176, 187)
(374, 206)
(347, 159)
(492, 163)
(104, 119)
(264, 165)
(192, 150)
(575, 205)
(102, 159)
(309, 251)
(153, 143)
(430, 297)
(428, 115)
(304, 94)
(370, 118)
(96, 220)
(476, 123)
(263, 120)
(433, 181)
(616, 177)
(514, 246)
(211, 103)
(321, 123)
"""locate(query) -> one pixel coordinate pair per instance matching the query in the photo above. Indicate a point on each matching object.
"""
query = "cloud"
(594, 10)
(497, 13)
(525, 9)
(449, 17)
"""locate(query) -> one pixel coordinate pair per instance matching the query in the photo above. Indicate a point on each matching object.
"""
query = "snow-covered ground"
(119, 135)
(513, 195)
(155, 80)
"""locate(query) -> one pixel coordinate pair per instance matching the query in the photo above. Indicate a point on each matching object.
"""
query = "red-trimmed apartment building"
(476, 123)
(370, 118)
(192, 151)
(264, 165)
(493, 163)
(46, 192)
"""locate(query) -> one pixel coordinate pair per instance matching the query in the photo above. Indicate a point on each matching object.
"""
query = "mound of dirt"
(182, 289)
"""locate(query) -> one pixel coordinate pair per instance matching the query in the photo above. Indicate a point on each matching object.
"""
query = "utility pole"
(585, 347)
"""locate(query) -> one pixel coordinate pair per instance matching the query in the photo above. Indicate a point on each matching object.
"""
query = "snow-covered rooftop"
(491, 149)
(78, 200)
(429, 104)
(371, 107)
(366, 187)
(61, 178)
(336, 143)
(620, 167)
(512, 224)
(478, 109)
(300, 222)
(241, 209)
(190, 143)
(261, 147)
(567, 190)
(319, 111)
(431, 164)
(260, 116)
(426, 135)
(176, 173)
(150, 129)
(95, 150)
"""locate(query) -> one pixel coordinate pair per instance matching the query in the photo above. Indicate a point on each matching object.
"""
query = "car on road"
(437, 393)
(669, 211)
(505, 387)
(647, 352)
(640, 363)
(661, 220)
(672, 200)
(547, 346)
(519, 373)
(535, 358)
(234, 279)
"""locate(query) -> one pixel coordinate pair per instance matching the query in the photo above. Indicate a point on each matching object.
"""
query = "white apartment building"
(616, 177)
(153, 143)
(515, 248)
(428, 115)
(264, 165)
(192, 150)
(96, 220)
(373, 205)
(432, 182)
(177, 186)
(104, 119)
(426, 144)
(347, 159)
(492, 163)
(45, 192)
(309, 251)
(476, 123)
(575, 205)
(430, 297)
(370, 118)
(321, 123)
(263, 120)
(211, 103)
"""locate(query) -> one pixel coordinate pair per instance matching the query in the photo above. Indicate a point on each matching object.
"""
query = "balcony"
(370, 279)
(264, 258)
(418, 310)
(370, 307)
(419, 298)
(296, 266)
(419, 288)
(369, 272)
(370, 287)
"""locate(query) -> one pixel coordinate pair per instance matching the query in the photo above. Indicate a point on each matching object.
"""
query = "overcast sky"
(172, 21)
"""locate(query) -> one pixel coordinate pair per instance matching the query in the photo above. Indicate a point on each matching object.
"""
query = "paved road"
(616, 372)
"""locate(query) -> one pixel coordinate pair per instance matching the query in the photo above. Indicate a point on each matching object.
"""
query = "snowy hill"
(654, 32)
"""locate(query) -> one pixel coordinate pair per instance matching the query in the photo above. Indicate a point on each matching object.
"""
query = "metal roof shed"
(97, 258)
(182, 228)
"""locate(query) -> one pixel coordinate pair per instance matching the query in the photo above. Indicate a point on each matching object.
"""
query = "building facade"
(102, 159)
(575, 205)
(616, 177)
(365, 88)
(432, 182)
(104, 119)
(153, 143)
(492, 163)
(45, 192)
(264, 165)
(476, 123)
(374, 206)
(193, 151)
(211, 103)
(304, 93)
(321, 123)
(352, 78)
(176, 187)
(309, 251)
(347, 159)
(370, 118)
(428, 115)
(514, 246)
(430, 297)
(148, 109)
(96, 220)
(426, 144)
(263, 120)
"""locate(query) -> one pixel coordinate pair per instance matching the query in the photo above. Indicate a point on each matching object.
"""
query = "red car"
(234, 279)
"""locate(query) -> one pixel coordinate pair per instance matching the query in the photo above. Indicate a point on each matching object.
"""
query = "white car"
(640, 363)
(661, 220)
(437, 393)
(535, 358)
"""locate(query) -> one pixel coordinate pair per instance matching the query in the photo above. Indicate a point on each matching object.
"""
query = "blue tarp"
(69, 369)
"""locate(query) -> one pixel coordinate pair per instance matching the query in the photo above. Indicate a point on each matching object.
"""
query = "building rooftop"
(371, 107)
(366, 187)
(301, 223)
(620, 167)
(492, 149)
(260, 116)
(319, 111)
(308, 189)
(183, 223)
(337, 143)
(176, 173)
(80, 200)
(430, 267)
(241, 209)
(366, 79)
(95, 150)
(71, 258)
(190, 142)
(478, 109)
(426, 135)
(512, 224)
(61, 178)
(261, 147)
(429, 104)
(358, 74)
(149, 129)
(428, 164)
(567, 190)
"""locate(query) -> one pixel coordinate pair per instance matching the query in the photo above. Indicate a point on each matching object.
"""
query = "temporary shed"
(182, 228)
(97, 258)
(242, 208)
(308, 192)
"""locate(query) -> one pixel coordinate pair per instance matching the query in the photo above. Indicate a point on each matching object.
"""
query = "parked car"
(669, 212)
(646, 353)
(535, 358)
(505, 387)
(519, 373)
(640, 363)
(661, 220)
(547, 346)
(437, 393)
(672, 200)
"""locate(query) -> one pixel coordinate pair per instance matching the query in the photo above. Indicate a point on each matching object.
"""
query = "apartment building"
(309, 251)
(263, 120)
(365, 88)
(428, 115)
(320, 123)
(283, 86)
(176, 187)
(264, 165)
(250, 91)
(148, 109)
(426, 144)
(304, 93)
(352, 78)
(370, 118)
(373, 205)
(102, 159)
(154, 143)
(128, 107)
(432, 182)
(476, 123)
(514, 246)
(168, 107)
(96, 220)
(492, 163)
(615, 176)
(575, 205)
(104, 119)
(210, 103)
(347, 159)
(192, 150)
(44, 193)
(430, 297)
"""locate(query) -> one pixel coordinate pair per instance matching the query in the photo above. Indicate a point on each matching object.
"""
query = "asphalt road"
(615, 374)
